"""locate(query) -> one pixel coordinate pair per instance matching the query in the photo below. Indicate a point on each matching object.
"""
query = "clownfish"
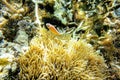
(52, 29)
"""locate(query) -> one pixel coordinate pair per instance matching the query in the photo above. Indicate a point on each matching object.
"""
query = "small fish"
(52, 29)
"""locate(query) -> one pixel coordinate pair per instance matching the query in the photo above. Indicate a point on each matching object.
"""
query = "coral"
(6, 64)
(4, 61)
(95, 21)
(60, 57)
(11, 13)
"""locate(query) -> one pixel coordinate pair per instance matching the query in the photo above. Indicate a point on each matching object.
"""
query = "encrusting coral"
(59, 57)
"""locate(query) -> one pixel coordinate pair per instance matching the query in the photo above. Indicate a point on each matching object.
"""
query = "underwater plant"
(59, 57)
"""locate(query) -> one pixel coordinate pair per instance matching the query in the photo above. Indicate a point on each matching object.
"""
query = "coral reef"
(8, 53)
(60, 57)
(76, 22)
(7, 63)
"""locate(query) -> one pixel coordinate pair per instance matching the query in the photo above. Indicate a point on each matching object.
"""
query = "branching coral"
(12, 13)
(58, 57)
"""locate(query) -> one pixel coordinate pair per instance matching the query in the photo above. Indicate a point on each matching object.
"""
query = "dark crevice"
(48, 7)
(53, 21)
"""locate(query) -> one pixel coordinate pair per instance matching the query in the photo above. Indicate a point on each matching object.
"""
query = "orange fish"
(52, 28)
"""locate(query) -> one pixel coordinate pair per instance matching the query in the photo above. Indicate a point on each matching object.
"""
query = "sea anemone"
(59, 57)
